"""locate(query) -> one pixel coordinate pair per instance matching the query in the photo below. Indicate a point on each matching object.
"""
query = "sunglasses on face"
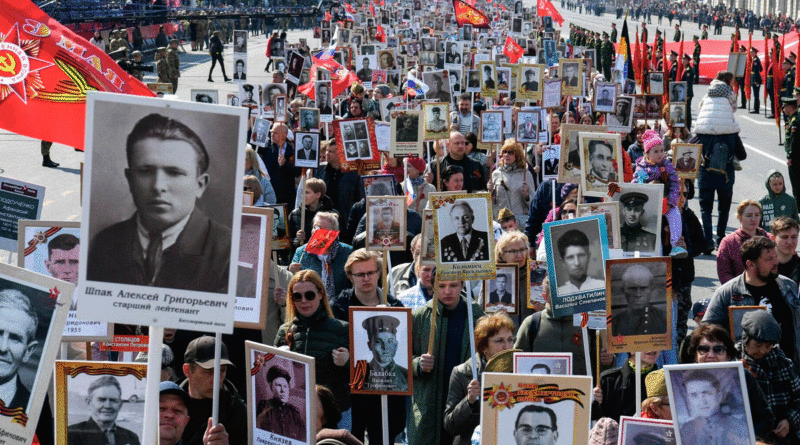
(309, 295)
(704, 349)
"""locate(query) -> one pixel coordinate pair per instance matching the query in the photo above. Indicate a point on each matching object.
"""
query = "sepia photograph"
(500, 293)
(380, 344)
(687, 159)
(437, 115)
(386, 222)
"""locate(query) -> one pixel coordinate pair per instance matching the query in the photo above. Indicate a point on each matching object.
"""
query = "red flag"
(665, 63)
(679, 74)
(341, 78)
(637, 68)
(372, 9)
(512, 49)
(766, 65)
(468, 15)
(503, 8)
(321, 241)
(546, 7)
(777, 79)
(748, 69)
(380, 34)
(349, 8)
(45, 72)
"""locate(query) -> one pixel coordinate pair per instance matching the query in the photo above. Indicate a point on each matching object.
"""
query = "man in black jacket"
(616, 394)
(756, 80)
(474, 179)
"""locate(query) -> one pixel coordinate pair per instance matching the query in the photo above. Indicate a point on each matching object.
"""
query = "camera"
(131, 67)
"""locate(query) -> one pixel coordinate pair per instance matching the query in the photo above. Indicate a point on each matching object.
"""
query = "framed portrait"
(35, 309)
(528, 81)
(488, 78)
(280, 64)
(549, 52)
(233, 100)
(514, 407)
(437, 120)
(687, 159)
(281, 395)
(428, 243)
(610, 211)
(655, 82)
(677, 91)
(260, 134)
(550, 156)
(79, 388)
(252, 281)
(115, 263)
(309, 119)
(269, 96)
(737, 63)
(205, 96)
(621, 120)
(604, 95)
(639, 305)
(571, 77)
(379, 185)
(504, 80)
(638, 431)
(710, 395)
(386, 223)
(383, 136)
(528, 126)
(569, 168)
(438, 86)
(357, 136)
(427, 58)
(386, 57)
(249, 97)
(473, 81)
(279, 102)
(629, 87)
(551, 94)
(280, 237)
(306, 152)
(735, 315)
(652, 108)
(601, 162)
(640, 213)
(323, 100)
(639, 106)
(248, 198)
(52, 248)
(556, 363)
(380, 345)
(491, 131)
(677, 114)
(240, 41)
(536, 275)
(500, 293)
(464, 247)
(240, 67)
(576, 249)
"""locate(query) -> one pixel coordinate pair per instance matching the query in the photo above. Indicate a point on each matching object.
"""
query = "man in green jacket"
(432, 369)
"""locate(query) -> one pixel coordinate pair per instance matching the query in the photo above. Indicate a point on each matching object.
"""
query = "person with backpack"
(215, 50)
(718, 131)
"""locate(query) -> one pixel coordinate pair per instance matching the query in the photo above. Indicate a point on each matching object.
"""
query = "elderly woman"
(493, 333)
(729, 258)
(329, 265)
(512, 248)
(312, 330)
(512, 185)
(252, 168)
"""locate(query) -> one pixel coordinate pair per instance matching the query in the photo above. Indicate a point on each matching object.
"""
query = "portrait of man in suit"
(168, 242)
(466, 244)
(104, 400)
(500, 294)
(18, 323)
(239, 73)
(307, 151)
(570, 74)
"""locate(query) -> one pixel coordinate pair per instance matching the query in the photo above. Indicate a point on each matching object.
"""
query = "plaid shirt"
(778, 380)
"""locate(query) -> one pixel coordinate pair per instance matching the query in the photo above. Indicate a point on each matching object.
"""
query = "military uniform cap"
(673, 53)
(796, 90)
(275, 372)
(380, 323)
(505, 213)
(789, 61)
(173, 40)
(686, 56)
(605, 34)
(162, 48)
(248, 87)
(136, 53)
(650, 438)
(633, 198)
(658, 31)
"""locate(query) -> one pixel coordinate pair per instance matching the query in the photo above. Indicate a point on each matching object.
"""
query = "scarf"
(644, 370)
(508, 168)
(327, 271)
(416, 182)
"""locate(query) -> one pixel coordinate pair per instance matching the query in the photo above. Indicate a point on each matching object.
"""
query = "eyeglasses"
(310, 295)
(507, 152)
(568, 212)
(704, 349)
(515, 251)
(363, 275)
(540, 430)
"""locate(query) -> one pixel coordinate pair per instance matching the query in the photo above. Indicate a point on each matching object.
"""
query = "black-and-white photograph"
(629, 87)
(295, 70)
(355, 137)
(427, 58)
(550, 53)
(240, 41)
(280, 64)
(463, 230)
(252, 281)
(550, 156)
(279, 101)
(677, 91)
(407, 133)
(364, 67)
(528, 126)
(380, 340)
(500, 293)
(306, 153)
(233, 100)
(439, 86)
(570, 159)
(601, 161)
(260, 134)
(547, 23)
(473, 81)
(142, 237)
(571, 77)
(269, 92)
(640, 212)
(677, 114)
(645, 431)
(488, 79)
(93, 398)
(323, 100)
(455, 81)
(387, 60)
(248, 97)
(710, 400)
(544, 363)
(436, 120)
(639, 297)
(491, 129)
(281, 391)
(378, 185)
(240, 67)
(529, 78)
(610, 210)
(386, 223)
(205, 96)
(604, 95)
(656, 82)
(309, 119)
(453, 53)
(622, 117)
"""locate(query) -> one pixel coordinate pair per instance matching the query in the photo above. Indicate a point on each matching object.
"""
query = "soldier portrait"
(248, 98)
(323, 98)
(677, 91)
(407, 127)
(473, 81)
(528, 126)
(240, 41)
(600, 161)
(439, 84)
(640, 214)
(645, 431)
(381, 361)
(622, 117)
(677, 114)
(501, 293)
(436, 120)
(639, 298)
(488, 77)
(529, 81)
(605, 93)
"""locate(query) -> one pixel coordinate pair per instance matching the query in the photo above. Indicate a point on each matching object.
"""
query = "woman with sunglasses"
(512, 248)
(311, 329)
(512, 185)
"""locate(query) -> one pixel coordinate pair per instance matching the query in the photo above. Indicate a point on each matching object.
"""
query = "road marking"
(765, 154)
(771, 124)
(66, 193)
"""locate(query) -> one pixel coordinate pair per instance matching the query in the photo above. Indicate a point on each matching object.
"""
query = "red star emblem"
(619, 338)
(54, 293)
(19, 66)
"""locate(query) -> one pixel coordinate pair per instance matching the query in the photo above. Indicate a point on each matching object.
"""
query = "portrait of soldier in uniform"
(280, 416)
(435, 123)
(530, 83)
(634, 236)
(384, 374)
(386, 226)
(641, 316)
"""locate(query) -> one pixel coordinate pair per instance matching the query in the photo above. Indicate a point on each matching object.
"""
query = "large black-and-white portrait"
(529, 78)
(309, 119)
(364, 66)
(463, 231)
(381, 360)
(260, 134)
(306, 149)
(528, 126)
(710, 400)
(622, 117)
(162, 206)
(355, 136)
(323, 100)
(500, 294)
(205, 96)
(677, 91)
(639, 297)
(677, 114)
(240, 41)
(439, 86)
(488, 78)
(640, 213)
(604, 95)
(240, 67)
(407, 132)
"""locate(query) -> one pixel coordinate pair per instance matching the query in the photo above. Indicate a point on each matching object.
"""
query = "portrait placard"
(604, 95)
(380, 344)
(536, 275)
(283, 382)
(576, 249)
(677, 114)
(386, 223)
(710, 400)
(205, 96)
(240, 41)
(407, 133)
(383, 136)
(473, 81)
(491, 131)
(269, 94)
(306, 153)
(21, 201)
(639, 304)
(640, 213)
(323, 100)
(280, 237)
(463, 224)
(260, 134)
(550, 162)
(249, 97)
(252, 281)
(571, 77)
(557, 363)
(621, 119)
(655, 81)
(528, 81)
(569, 162)
(500, 293)
(687, 159)
(79, 387)
(488, 76)
(638, 431)
(34, 309)
(52, 248)
(181, 283)
(610, 210)
(677, 91)
(439, 86)
(504, 80)
(601, 161)
(378, 185)
(357, 138)
(735, 315)
(528, 126)
(309, 119)
(652, 108)
(519, 406)
(239, 68)
(437, 116)
(428, 244)
(551, 96)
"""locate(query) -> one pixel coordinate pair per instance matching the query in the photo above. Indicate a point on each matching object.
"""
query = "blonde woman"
(512, 185)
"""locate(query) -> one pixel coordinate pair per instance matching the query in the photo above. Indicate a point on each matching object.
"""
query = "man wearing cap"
(634, 236)
(435, 123)
(787, 90)
(606, 55)
(791, 143)
(755, 80)
(162, 66)
(198, 368)
(641, 316)
(530, 83)
(677, 37)
(507, 220)
(173, 416)
(710, 424)
(673, 63)
(248, 96)
(613, 33)
(696, 58)
(174, 63)
(104, 401)
(436, 92)
(699, 310)
(280, 416)
(383, 373)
